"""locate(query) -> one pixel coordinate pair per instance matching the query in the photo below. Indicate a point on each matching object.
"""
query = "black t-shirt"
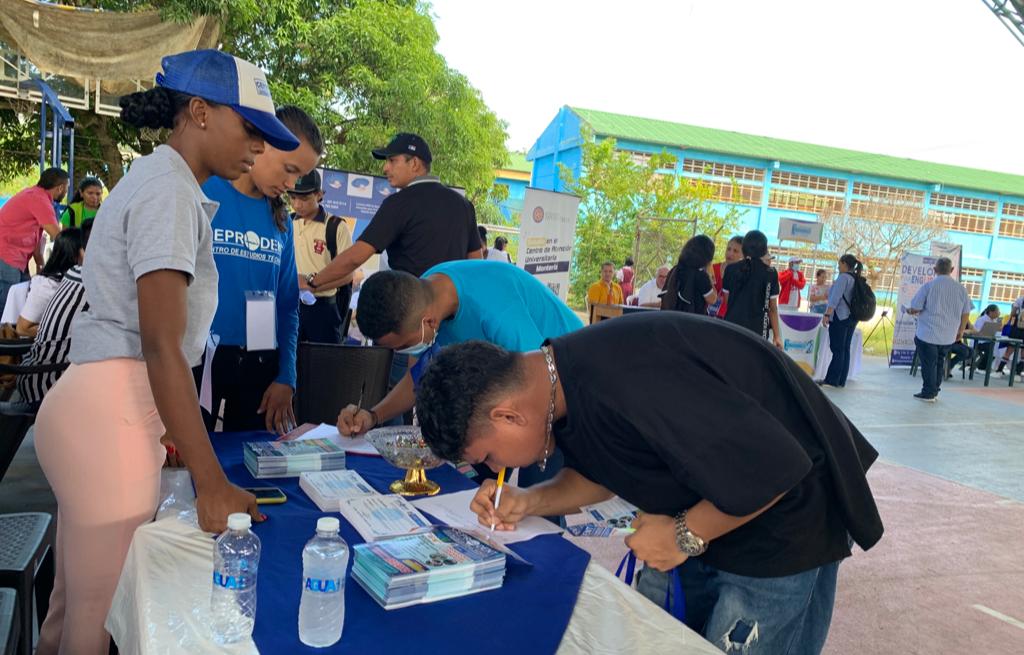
(747, 294)
(685, 290)
(710, 411)
(423, 225)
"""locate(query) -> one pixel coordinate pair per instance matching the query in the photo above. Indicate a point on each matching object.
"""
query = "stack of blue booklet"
(426, 567)
(283, 459)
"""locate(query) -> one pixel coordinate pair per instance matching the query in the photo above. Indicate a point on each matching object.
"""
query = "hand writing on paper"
(277, 407)
(654, 541)
(353, 421)
(515, 505)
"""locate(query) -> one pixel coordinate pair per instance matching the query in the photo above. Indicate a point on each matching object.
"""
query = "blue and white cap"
(218, 77)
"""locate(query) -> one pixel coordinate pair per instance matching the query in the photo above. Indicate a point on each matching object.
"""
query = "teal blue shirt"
(502, 304)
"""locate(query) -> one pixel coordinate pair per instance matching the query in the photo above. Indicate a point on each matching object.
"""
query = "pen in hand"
(497, 495)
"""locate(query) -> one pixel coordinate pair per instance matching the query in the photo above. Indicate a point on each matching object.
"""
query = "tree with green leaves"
(364, 69)
(628, 208)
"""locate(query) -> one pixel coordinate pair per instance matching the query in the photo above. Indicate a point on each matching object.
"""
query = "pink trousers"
(98, 441)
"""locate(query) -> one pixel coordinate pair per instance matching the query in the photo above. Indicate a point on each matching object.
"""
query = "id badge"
(260, 321)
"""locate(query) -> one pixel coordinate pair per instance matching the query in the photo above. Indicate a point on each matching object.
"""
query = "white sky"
(938, 80)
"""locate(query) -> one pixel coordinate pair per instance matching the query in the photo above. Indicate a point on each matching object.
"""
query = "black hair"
(156, 108)
(755, 244)
(820, 271)
(65, 253)
(852, 263)
(736, 239)
(52, 178)
(83, 185)
(386, 301)
(697, 252)
(459, 389)
(86, 232)
(628, 262)
(305, 129)
(500, 243)
(483, 234)
(990, 308)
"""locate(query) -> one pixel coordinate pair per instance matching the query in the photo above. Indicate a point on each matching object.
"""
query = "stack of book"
(427, 567)
(288, 459)
(328, 488)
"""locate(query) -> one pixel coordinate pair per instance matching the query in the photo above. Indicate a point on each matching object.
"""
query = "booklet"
(612, 513)
(453, 509)
(351, 445)
(379, 517)
(327, 488)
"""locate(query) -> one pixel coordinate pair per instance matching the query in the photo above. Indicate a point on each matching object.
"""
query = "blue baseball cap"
(221, 78)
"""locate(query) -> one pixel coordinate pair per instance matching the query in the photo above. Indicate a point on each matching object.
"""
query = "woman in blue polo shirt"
(255, 252)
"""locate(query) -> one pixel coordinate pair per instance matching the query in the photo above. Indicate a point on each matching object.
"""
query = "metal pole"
(42, 136)
(71, 156)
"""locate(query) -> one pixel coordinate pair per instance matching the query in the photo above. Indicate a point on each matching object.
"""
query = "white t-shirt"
(981, 322)
(499, 256)
(40, 293)
(649, 293)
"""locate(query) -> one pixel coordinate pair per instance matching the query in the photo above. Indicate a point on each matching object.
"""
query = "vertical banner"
(547, 231)
(799, 333)
(952, 250)
(915, 270)
(354, 196)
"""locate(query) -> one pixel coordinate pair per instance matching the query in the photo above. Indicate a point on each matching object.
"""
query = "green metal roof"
(665, 133)
(517, 162)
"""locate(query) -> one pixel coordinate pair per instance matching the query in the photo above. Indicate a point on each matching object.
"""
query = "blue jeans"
(840, 336)
(789, 615)
(933, 366)
(9, 276)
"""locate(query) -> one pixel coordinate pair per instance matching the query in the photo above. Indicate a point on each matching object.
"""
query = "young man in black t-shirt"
(423, 225)
(749, 479)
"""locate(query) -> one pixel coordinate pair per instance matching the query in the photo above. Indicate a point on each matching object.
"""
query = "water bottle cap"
(239, 521)
(328, 524)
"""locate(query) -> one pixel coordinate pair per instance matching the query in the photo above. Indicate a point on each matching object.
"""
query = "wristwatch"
(689, 543)
(310, 280)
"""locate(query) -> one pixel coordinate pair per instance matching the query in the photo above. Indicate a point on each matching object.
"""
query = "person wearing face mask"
(452, 303)
(253, 245)
(791, 281)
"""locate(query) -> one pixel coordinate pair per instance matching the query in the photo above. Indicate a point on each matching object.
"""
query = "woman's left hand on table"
(277, 408)
(654, 541)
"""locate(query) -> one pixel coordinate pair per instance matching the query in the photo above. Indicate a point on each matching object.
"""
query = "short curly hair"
(458, 391)
(387, 300)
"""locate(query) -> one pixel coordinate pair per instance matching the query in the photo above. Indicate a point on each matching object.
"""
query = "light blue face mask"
(422, 346)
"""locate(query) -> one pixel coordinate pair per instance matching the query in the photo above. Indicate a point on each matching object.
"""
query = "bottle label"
(328, 586)
(232, 581)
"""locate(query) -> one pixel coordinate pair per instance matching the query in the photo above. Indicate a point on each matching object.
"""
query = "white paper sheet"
(453, 509)
(377, 517)
(352, 445)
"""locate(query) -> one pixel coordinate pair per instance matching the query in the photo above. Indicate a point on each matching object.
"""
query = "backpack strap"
(332, 235)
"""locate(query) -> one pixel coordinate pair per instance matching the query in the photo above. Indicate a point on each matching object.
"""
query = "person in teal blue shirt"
(452, 303)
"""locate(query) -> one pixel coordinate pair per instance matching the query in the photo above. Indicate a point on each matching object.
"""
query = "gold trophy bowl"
(403, 446)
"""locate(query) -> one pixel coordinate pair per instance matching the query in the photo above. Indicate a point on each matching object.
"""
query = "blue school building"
(768, 179)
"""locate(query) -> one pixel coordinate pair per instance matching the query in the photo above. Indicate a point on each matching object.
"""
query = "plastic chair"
(10, 624)
(26, 564)
(14, 425)
(332, 376)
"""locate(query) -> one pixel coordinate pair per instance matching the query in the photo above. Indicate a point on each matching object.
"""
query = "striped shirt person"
(53, 341)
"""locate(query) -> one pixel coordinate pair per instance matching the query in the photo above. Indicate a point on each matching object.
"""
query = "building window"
(888, 193)
(641, 159)
(739, 194)
(1010, 227)
(804, 201)
(965, 222)
(1012, 209)
(815, 182)
(706, 168)
(975, 273)
(1001, 292)
(973, 288)
(963, 202)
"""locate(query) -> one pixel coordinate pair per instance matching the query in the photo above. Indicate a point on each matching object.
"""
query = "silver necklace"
(553, 375)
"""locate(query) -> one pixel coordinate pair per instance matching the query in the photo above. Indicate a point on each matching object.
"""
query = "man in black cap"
(318, 240)
(422, 226)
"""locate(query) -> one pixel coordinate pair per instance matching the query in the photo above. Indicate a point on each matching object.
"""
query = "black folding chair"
(14, 424)
(331, 377)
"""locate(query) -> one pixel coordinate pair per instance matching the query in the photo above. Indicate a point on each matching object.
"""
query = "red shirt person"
(791, 281)
(23, 219)
(733, 254)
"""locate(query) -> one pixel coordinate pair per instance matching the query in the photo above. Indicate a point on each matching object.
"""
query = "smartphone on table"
(267, 495)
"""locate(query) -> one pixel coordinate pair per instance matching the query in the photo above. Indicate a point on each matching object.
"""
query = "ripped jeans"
(789, 615)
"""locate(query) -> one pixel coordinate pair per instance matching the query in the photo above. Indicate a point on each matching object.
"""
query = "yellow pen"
(497, 496)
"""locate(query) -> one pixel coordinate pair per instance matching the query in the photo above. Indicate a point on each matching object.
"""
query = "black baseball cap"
(308, 183)
(405, 143)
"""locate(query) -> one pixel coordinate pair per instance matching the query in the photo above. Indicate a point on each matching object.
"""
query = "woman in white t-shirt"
(498, 252)
(68, 250)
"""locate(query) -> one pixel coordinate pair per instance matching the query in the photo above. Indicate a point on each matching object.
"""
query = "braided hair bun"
(156, 108)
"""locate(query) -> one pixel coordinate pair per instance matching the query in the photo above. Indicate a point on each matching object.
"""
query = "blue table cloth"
(529, 614)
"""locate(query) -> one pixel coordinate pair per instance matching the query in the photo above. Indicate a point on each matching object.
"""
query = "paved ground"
(948, 577)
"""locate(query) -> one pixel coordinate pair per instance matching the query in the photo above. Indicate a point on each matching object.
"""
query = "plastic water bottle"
(236, 560)
(322, 608)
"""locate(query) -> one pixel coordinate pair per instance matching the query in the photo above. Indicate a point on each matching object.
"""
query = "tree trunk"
(109, 151)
